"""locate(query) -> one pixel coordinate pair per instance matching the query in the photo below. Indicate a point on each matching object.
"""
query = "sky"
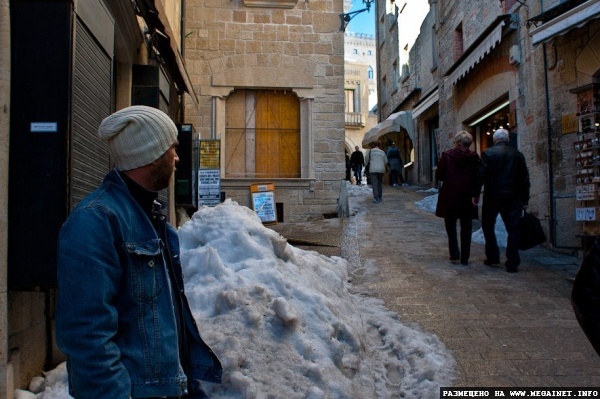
(285, 322)
(363, 22)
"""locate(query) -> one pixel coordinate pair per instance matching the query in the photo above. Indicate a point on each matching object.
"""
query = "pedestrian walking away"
(123, 318)
(396, 165)
(505, 179)
(367, 167)
(457, 170)
(347, 166)
(357, 161)
(377, 160)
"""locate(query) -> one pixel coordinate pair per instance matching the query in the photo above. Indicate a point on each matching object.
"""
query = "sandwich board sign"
(263, 202)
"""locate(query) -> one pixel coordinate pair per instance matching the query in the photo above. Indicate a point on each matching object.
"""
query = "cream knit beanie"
(137, 135)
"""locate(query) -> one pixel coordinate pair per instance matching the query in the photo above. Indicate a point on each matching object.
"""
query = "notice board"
(209, 173)
(263, 202)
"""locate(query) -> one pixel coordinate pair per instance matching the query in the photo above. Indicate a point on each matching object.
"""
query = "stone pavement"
(503, 329)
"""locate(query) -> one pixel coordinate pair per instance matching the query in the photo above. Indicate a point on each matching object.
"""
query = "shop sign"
(569, 123)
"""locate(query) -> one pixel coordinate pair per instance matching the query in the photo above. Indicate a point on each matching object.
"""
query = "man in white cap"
(123, 319)
(504, 175)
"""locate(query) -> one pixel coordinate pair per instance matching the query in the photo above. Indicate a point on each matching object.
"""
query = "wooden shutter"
(262, 137)
(277, 135)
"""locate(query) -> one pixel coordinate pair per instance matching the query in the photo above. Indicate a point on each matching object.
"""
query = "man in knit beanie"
(123, 319)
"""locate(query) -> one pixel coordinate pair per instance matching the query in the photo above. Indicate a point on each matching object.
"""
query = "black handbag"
(532, 233)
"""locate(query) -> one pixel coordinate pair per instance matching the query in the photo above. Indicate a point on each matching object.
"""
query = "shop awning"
(478, 50)
(424, 104)
(573, 18)
(164, 40)
(394, 123)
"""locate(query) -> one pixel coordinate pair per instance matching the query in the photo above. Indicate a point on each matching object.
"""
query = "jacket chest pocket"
(146, 269)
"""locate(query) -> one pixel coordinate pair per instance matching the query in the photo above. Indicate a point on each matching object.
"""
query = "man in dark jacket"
(123, 318)
(504, 175)
(357, 161)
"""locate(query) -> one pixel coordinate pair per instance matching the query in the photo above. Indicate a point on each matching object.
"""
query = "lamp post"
(347, 17)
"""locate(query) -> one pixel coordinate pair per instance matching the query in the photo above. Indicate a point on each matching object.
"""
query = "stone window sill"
(271, 3)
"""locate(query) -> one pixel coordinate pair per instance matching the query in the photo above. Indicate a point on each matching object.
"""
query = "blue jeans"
(357, 173)
(376, 184)
(510, 211)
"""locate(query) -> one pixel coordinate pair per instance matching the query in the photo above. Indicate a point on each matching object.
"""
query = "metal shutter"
(91, 104)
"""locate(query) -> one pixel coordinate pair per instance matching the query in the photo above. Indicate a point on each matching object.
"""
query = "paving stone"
(504, 330)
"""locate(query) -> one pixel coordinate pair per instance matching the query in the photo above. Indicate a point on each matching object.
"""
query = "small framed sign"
(43, 127)
(263, 202)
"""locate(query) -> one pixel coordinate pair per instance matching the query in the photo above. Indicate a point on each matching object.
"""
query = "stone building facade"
(361, 48)
(360, 87)
(530, 68)
(358, 118)
(269, 78)
(562, 49)
(6, 372)
(398, 28)
(94, 58)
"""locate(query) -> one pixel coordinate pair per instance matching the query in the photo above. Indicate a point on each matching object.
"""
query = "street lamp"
(347, 17)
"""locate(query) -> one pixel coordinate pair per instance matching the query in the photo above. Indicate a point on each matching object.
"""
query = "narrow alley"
(503, 329)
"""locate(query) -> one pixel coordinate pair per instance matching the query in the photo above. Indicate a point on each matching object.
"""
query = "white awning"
(483, 49)
(560, 25)
(394, 123)
(424, 106)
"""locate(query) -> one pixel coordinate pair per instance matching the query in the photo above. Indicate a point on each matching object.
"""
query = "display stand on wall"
(263, 202)
(587, 158)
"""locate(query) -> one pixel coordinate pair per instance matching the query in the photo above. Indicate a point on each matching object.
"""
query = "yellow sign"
(210, 154)
(569, 124)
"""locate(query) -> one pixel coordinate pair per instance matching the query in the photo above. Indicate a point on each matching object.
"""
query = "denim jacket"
(115, 319)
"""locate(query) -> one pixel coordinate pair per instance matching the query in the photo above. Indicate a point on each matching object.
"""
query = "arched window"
(370, 73)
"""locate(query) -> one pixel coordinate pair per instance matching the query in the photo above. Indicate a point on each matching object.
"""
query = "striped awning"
(478, 53)
(425, 104)
(574, 18)
(394, 123)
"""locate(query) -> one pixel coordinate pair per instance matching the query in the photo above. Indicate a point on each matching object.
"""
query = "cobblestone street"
(503, 329)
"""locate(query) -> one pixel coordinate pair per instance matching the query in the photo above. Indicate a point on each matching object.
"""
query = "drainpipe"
(552, 209)
(378, 61)
(182, 35)
(550, 152)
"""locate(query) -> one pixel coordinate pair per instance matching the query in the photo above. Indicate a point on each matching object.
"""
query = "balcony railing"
(355, 119)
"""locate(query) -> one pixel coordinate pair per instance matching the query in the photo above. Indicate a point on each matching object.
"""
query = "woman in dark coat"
(457, 169)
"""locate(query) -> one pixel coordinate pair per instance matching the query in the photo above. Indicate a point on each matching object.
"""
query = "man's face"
(356, 148)
(165, 166)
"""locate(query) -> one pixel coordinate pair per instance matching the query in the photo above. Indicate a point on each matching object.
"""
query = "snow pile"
(284, 324)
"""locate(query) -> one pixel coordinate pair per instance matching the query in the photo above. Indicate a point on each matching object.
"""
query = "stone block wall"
(5, 369)
(298, 47)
